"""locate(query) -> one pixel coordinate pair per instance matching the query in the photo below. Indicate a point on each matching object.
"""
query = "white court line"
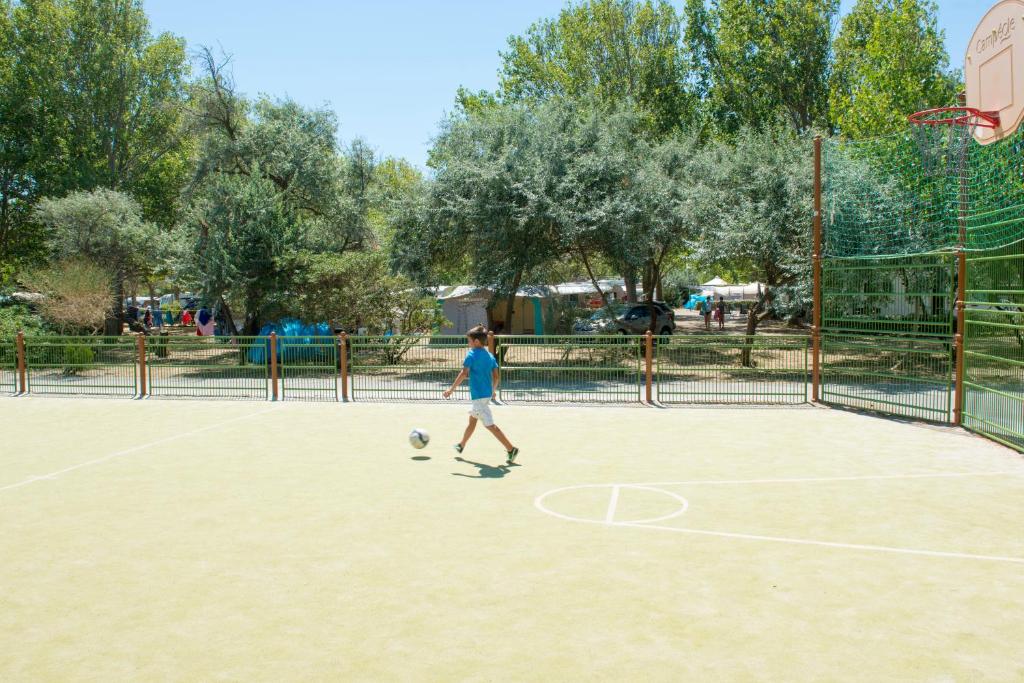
(133, 449)
(538, 503)
(797, 480)
(828, 544)
(613, 502)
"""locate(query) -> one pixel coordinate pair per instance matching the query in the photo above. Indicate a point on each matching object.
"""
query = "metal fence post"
(19, 346)
(648, 364)
(140, 346)
(343, 364)
(816, 265)
(273, 366)
(959, 338)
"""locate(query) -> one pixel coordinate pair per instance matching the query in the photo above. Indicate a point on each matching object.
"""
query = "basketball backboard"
(994, 69)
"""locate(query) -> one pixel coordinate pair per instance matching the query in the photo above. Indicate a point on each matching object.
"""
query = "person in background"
(147, 318)
(204, 323)
(186, 318)
(705, 309)
(720, 312)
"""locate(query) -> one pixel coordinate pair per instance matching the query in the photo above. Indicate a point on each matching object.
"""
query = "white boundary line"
(799, 480)
(828, 544)
(538, 503)
(133, 449)
(613, 502)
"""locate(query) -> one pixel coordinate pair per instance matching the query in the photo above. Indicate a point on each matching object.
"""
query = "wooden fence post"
(816, 265)
(343, 364)
(141, 350)
(19, 346)
(273, 366)
(649, 365)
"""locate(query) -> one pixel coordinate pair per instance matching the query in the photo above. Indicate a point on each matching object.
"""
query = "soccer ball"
(419, 438)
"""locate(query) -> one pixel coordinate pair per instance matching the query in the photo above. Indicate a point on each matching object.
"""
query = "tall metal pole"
(959, 340)
(816, 264)
(141, 350)
(20, 353)
(343, 364)
(648, 366)
(273, 366)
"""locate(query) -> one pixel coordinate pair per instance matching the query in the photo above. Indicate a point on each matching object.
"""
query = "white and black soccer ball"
(419, 438)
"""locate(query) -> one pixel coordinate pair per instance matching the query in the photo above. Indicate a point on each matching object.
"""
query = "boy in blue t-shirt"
(481, 368)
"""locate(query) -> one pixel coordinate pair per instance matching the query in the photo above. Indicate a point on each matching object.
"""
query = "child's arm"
(455, 385)
(495, 379)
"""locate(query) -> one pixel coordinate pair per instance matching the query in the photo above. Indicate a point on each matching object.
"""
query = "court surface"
(185, 541)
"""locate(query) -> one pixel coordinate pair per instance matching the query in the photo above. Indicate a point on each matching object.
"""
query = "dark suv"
(628, 319)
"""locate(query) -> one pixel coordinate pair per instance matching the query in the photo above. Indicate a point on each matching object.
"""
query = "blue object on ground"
(304, 340)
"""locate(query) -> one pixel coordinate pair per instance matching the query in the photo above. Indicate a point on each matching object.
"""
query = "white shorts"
(481, 410)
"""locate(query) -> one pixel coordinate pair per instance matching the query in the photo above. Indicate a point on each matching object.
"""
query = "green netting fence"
(8, 367)
(404, 367)
(994, 349)
(309, 368)
(904, 195)
(87, 366)
(208, 367)
(583, 369)
(897, 213)
(763, 369)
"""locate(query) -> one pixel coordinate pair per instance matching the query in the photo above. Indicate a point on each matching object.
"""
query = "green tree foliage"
(88, 99)
(356, 290)
(107, 228)
(890, 61)
(753, 60)
(520, 190)
(270, 186)
(483, 206)
(756, 209)
(608, 50)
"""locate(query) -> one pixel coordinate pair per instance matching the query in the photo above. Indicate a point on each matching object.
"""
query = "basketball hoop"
(956, 116)
(943, 136)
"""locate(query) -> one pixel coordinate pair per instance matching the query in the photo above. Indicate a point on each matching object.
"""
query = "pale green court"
(149, 540)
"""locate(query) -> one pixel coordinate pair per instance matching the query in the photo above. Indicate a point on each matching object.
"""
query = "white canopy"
(716, 282)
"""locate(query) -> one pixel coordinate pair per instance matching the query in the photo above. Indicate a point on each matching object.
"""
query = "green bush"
(14, 318)
(75, 356)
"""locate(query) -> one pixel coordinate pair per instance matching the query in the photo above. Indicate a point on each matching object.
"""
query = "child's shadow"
(484, 471)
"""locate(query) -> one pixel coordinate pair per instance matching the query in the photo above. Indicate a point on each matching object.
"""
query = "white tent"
(715, 282)
(748, 292)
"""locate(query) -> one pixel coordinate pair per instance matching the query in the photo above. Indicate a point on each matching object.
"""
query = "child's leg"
(469, 431)
(500, 436)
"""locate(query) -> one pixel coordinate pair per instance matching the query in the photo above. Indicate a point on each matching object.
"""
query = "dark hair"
(478, 333)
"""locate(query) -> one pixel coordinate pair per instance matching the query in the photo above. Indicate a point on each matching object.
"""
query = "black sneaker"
(458, 448)
(512, 455)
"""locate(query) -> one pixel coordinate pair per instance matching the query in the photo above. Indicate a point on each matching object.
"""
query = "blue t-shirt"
(480, 363)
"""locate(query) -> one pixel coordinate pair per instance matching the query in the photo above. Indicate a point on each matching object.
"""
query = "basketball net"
(944, 147)
(943, 137)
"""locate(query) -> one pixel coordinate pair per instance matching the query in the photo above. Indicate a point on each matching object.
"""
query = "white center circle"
(610, 515)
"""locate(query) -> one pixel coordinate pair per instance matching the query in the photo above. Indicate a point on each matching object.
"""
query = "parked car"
(628, 319)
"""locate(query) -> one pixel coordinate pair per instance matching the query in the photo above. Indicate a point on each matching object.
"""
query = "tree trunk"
(660, 296)
(758, 312)
(510, 302)
(230, 318)
(654, 276)
(593, 280)
(629, 276)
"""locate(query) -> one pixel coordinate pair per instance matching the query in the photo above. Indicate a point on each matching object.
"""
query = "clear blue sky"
(390, 68)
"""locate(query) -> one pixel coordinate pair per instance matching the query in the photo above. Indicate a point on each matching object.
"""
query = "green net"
(918, 191)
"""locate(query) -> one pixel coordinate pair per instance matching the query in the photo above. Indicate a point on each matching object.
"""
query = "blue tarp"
(695, 301)
(299, 333)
